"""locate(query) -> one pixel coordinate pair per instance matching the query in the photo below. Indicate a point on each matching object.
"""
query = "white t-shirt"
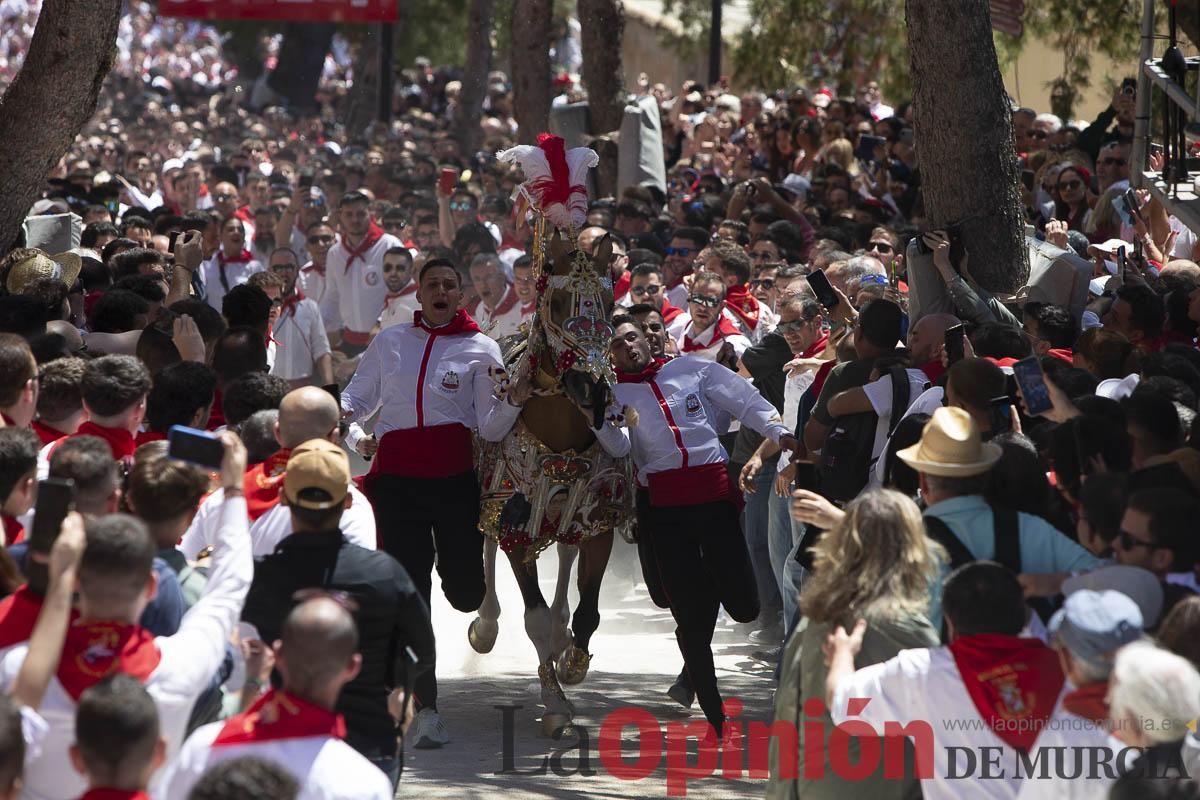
(879, 393)
(927, 402)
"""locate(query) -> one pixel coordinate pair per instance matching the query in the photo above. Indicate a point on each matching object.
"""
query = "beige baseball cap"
(317, 464)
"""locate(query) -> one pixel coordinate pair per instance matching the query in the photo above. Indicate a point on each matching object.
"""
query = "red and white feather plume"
(555, 178)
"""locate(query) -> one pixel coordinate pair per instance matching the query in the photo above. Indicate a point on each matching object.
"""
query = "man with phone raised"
(116, 581)
(430, 383)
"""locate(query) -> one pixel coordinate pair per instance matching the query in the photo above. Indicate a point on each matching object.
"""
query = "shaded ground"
(635, 661)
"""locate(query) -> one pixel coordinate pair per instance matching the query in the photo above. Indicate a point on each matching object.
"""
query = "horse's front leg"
(486, 625)
(560, 609)
(593, 560)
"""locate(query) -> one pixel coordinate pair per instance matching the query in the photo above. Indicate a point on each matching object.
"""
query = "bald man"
(296, 726)
(588, 238)
(397, 641)
(924, 338)
(304, 414)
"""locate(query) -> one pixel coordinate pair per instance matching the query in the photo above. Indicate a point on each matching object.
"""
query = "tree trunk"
(531, 68)
(51, 99)
(603, 23)
(301, 60)
(362, 105)
(474, 81)
(964, 137)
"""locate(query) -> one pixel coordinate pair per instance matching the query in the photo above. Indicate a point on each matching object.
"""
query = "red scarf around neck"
(816, 348)
(114, 794)
(461, 322)
(95, 650)
(120, 441)
(315, 267)
(243, 257)
(388, 298)
(725, 328)
(278, 715)
(743, 304)
(506, 303)
(1013, 682)
(18, 614)
(374, 234)
(646, 374)
(669, 312)
(290, 301)
(46, 434)
(1089, 702)
(263, 483)
(14, 531)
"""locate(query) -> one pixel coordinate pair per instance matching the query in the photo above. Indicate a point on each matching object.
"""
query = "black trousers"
(423, 519)
(645, 546)
(703, 564)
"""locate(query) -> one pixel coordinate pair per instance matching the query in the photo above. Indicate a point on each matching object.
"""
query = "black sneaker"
(681, 690)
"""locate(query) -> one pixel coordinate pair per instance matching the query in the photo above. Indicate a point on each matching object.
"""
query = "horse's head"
(579, 327)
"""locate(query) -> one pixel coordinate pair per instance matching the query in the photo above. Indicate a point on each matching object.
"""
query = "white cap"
(1118, 388)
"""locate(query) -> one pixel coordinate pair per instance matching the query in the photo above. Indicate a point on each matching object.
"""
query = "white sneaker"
(428, 731)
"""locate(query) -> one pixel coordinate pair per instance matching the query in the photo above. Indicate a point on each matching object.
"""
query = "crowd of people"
(902, 484)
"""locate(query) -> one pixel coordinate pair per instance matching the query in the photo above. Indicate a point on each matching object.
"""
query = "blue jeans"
(755, 523)
(390, 766)
(783, 541)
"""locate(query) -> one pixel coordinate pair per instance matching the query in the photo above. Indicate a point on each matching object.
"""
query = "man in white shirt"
(710, 334)
(401, 299)
(692, 515)
(301, 346)
(498, 311)
(116, 581)
(987, 689)
(295, 726)
(320, 238)
(232, 264)
(429, 382)
(353, 276)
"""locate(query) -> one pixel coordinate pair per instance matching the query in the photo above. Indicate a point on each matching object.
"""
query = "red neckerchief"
(1001, 362)
(243, 257)
(527, 309)
(263, 482)
(145, 437)
(461, 322)
(374, 234)
(621, 287)
(819, 378)
(46, 434)
(743, 304)
(507, 302)
(291, 301)
(816, 348)
(725, 328)
(114, 794)
(933, 369)
(95, 650)
(405, 292)
(1013, 682)
(669, 312)
(646, 374)
(14, 531)
(1062, 354)
(278, 715)
(314, 267)
(8, 421)
(119, 440)
(18, 614)
(1089, 702)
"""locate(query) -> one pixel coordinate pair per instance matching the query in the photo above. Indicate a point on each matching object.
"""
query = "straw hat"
(950, 447)
(64, 266)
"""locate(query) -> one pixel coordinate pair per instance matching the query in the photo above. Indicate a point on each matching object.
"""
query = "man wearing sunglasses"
(680, 256)
(401, 299)
(302, 352)
(646, 286)
(1157, 529)
(753, 318)
(354, 280)
(710, 334)
(319, 238)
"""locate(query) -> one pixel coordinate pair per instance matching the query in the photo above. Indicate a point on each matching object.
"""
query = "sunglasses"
(793, 326)
(1069, 185)
(1035, 134)
(283, 267)
(1129, 541)
(320, 240)
(396, 267)
(1109, 162)
(766, 283)
(881, 247)
(455, 206)
(678, 251)
(650, 289)
(394, 225)
(223, 197)
(879, 279)
(701, 300)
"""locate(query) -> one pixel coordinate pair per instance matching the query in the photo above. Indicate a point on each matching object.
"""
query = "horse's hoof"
(553, 698)
(482, 634)
(553, 723)
(573, 665)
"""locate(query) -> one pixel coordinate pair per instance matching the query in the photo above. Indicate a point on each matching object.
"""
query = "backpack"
(846, 456)
(1006, 540)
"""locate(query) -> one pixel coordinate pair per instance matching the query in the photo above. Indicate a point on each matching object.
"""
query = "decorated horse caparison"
(549, 482)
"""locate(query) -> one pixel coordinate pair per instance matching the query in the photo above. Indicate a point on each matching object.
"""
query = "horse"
(549, 482)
